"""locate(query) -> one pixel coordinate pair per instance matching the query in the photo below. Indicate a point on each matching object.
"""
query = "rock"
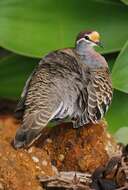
(60, 148)
(35, 159)
(1, 186)
(82, 149)
(18, 171)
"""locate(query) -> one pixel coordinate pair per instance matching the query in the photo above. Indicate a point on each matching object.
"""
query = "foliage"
(117, 115)
(122, 135)
(33, 28)
(14, 71)
(125, 1)
(36, 27)
(120, 70)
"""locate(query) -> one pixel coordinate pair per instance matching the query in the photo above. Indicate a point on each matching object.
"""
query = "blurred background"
(30, 29)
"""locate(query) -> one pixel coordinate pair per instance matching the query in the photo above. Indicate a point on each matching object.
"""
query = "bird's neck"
(90, 57)
(84, 49)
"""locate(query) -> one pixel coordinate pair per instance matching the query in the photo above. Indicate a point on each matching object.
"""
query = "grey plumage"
(66, 83)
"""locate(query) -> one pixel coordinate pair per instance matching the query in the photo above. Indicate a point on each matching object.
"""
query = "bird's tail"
(30, 130)
(32, 127)
(25, 137)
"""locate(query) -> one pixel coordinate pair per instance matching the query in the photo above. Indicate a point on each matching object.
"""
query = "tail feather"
(30, 130)
(32, 127)
(25, 137)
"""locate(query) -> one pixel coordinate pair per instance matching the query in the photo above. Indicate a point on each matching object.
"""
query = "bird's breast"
(93, 60)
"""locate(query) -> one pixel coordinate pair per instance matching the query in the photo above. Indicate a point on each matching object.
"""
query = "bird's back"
(57, 78)
(50, 93)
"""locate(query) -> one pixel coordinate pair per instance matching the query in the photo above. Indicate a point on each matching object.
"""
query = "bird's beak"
(99, 44)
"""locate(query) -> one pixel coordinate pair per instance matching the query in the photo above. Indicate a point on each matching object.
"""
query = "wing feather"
(21, 104)
(101, 86)
(98, 98)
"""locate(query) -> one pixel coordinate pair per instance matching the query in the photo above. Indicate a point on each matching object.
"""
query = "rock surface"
(61, 148)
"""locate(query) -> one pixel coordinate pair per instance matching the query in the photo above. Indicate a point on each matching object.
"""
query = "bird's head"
(88, 38)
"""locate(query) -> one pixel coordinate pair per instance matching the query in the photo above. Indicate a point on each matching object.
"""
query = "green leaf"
(37, 27)
(122, 135)
(14, 71)
(125, 1)
(120, 70)
(110, 58)
(109, 1)
(117, 115)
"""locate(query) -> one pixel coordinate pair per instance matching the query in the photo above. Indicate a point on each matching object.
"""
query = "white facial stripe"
(90, 42)
(81, 39)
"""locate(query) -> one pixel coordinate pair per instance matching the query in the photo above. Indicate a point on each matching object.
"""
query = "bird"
(73, 83)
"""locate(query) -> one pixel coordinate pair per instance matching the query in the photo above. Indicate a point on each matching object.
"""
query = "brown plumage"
(68, 83)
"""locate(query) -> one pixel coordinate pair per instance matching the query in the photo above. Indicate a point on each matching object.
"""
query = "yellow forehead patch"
(94, 36)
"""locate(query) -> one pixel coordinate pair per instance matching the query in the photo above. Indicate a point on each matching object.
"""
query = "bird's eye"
(86, 37)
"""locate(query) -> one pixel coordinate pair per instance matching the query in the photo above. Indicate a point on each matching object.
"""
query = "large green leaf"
(125, 1)
(110, 58)
(122, 135)
(120, 70)
(38, 26)
(14, 71)
(117, 115)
